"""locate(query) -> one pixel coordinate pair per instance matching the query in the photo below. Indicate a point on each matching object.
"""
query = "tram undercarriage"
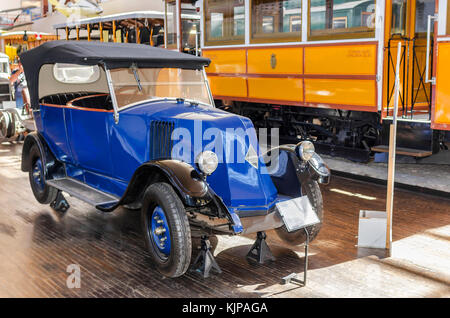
(341, 133)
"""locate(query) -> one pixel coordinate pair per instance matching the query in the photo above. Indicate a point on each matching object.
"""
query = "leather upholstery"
(97, 101)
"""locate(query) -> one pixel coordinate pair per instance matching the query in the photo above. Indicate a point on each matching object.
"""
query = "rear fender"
(52, 167)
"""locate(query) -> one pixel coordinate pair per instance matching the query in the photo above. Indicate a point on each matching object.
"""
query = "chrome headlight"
(320, 169)
(319, 165)
(305, 150)
(207, 162)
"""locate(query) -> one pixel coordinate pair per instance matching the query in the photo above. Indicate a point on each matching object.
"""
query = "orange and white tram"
(324, 69)
(320, 69)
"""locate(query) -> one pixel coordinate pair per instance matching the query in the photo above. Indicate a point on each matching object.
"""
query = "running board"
(83, 192)
(404, 151)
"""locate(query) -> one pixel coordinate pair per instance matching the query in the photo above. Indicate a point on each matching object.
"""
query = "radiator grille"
(161, 139)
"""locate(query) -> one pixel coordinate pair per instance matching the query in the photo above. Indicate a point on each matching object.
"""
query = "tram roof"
(122, 16)
(5, 34)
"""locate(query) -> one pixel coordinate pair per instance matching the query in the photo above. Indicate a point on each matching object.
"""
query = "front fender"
(288, 172)
(193, 190)
(183, 177)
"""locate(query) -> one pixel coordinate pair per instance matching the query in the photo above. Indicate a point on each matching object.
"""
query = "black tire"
(43, 193)
(176, 263)
(312, 190)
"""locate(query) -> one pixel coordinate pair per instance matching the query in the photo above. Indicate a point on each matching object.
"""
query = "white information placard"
(297, 213)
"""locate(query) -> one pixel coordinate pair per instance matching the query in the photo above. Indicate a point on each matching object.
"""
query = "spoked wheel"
(312, 190)
(166, 230)
(43, 193)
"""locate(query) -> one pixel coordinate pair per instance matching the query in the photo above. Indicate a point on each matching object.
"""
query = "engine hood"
(241, 178)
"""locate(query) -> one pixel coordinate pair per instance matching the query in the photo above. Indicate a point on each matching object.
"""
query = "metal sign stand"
(293, 277)
(392, 152)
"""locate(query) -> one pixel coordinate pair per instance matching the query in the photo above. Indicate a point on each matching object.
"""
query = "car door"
(88, 135)
(54, 130)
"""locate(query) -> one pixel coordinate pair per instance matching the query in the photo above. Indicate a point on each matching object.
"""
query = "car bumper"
(255, 219)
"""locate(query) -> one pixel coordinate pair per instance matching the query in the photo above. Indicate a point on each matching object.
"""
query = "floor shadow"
(110, 248)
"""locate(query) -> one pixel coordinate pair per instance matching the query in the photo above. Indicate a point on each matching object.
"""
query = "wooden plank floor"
(36, 247)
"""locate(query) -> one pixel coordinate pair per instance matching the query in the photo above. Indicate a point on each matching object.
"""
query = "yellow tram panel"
(341, 92)
(226, 61)
(341, 59)
(442, 105)
(228, 86)
(271, 88)
(275, 61)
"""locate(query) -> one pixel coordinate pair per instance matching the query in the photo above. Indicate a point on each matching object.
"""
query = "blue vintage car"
(135, 126)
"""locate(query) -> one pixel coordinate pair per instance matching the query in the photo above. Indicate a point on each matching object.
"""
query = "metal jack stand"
(293, 277)
(60, 204)
(260, 251)
(205, 260)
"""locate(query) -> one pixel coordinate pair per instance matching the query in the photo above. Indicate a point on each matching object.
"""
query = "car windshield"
(134, 85)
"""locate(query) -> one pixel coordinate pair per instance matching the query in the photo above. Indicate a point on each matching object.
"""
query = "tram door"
(407, 21)
(440, 118)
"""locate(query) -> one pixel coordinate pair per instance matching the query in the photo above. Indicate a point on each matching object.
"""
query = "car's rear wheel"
(312, 190)
(166, 230)
(43, 193)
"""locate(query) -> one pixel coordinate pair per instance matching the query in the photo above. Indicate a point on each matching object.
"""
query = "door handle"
(427, 64)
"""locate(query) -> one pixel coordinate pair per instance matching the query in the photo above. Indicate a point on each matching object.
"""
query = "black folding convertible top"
(113, 55)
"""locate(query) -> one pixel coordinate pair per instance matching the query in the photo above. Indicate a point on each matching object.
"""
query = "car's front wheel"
(166, 230)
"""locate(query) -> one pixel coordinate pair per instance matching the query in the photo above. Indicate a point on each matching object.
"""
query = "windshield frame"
(163, 99)
(118, 109)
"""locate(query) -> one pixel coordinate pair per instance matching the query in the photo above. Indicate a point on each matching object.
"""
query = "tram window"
(398, 23)
(448, 18)
(224, 22)
(341, 19)
(276, 21)
(189, 28)
(239, 20)
(267, 24)
(340, 23)
(295, 23)
(424, 8)
(171, 28)
(216, 25)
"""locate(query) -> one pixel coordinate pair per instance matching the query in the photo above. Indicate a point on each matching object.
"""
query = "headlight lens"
(305, 150)
(319, 165)
(207, 162)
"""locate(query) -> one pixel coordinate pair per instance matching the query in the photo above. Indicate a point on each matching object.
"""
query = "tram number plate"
(297, 213)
